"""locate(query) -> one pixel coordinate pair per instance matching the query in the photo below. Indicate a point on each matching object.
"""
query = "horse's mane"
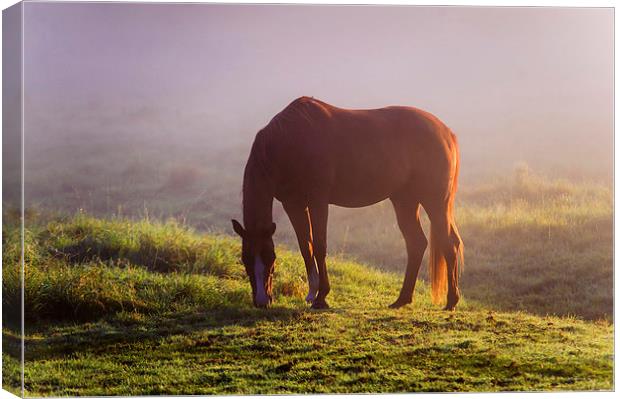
(258, 178)
(257, 162)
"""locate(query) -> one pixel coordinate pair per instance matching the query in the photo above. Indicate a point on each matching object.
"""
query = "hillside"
(138, 308)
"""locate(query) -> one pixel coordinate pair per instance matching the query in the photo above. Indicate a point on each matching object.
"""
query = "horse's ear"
(238, 228)
(272, 230)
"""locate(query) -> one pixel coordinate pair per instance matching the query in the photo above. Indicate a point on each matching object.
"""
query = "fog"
(532, 84)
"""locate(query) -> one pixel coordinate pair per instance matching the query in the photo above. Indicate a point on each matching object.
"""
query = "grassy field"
(116, 307)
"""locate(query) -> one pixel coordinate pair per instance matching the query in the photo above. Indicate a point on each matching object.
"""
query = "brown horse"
(313, 154)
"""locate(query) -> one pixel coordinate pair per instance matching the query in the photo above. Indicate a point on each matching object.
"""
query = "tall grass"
(163, 247)
(84, 268)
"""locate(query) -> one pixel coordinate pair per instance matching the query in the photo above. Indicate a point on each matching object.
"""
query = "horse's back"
(402, 123)
(391, 147)
(359, 156)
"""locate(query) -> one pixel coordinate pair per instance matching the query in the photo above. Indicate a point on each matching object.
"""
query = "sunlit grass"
(102, 320)
(120, 306)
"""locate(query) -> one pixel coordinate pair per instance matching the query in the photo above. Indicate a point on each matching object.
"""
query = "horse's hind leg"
(300, 219)
(318, 216)
(408, 217)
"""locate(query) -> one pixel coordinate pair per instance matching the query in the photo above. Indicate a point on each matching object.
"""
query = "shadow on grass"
(60, 340)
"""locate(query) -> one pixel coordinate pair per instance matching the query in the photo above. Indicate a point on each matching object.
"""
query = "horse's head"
(258, 256)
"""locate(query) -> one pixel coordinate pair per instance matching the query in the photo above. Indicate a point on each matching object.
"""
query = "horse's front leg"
(300, 219)
(318, 217)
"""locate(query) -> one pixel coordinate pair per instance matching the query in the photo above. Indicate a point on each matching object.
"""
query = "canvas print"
(215, 199)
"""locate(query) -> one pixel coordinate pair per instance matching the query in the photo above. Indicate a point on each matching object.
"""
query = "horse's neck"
(257, 200)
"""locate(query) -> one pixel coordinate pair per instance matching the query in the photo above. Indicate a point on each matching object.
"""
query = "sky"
(522, 83)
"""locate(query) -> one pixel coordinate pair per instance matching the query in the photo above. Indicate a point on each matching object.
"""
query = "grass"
(116, 307)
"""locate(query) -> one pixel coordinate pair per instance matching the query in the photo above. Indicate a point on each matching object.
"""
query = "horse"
(313, 154)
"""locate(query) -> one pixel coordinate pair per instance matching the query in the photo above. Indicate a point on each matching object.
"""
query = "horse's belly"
(355, 191)
(360, 202)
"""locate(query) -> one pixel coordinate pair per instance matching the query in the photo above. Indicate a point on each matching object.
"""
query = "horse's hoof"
(320, 305)
(450, 308)
(310, 297)
(452, 301)
(399, 304)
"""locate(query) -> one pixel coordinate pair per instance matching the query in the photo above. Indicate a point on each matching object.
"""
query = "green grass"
(115, 307)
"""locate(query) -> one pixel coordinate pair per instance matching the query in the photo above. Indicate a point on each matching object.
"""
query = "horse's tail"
(455, 231)
(446, 243)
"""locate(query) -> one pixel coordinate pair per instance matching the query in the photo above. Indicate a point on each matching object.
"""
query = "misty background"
(531, 84)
